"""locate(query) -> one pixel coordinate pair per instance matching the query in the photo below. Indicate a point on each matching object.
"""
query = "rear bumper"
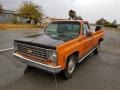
(42, 66)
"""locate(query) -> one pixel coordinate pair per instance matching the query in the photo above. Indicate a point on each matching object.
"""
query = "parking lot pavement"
(96, 72)
(8, 36)
(10, 69)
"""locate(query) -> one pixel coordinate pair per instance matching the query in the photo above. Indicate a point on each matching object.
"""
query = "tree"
(30, 11)
(106, 23)
(72, 15)
(114, 22)
(1, 9)
(103, 22)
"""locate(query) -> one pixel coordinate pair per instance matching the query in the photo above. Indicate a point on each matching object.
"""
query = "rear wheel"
(70, 67)
(96, 51)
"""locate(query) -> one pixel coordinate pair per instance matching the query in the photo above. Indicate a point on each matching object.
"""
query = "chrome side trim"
(36, 62)
(86, 56)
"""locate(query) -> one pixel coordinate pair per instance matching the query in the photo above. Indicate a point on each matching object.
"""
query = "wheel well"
(100, 40)
(76, 55)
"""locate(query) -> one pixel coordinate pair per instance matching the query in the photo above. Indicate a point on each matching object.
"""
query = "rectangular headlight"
(52, 54)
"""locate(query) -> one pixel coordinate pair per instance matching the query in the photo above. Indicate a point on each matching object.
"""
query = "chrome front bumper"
(42, 66)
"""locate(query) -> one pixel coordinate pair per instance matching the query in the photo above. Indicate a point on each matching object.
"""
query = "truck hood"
(43, 41)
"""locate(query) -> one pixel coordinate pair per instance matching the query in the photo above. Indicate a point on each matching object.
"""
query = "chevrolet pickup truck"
(63, 45)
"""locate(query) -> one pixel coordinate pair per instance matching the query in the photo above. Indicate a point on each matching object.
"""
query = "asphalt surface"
(8, 36)
(96, 72)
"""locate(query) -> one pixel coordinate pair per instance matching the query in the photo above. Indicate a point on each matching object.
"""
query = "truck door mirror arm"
(98, 27)
(89, 33)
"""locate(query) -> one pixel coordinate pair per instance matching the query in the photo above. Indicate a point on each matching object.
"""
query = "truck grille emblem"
(29, 51)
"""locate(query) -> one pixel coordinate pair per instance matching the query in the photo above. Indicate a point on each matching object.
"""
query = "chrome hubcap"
(71, 66)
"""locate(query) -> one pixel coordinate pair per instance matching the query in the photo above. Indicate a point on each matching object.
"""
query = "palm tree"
(72, 15)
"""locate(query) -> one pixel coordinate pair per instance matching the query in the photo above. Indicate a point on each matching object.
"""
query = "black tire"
(28, 69)
(69, 70)
(96, 51)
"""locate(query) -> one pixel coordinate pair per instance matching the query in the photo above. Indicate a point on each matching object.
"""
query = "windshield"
(66, 29)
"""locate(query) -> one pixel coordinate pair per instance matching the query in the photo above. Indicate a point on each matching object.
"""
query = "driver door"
(87, 39)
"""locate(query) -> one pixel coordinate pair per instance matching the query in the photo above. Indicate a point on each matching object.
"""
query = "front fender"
(64, 53)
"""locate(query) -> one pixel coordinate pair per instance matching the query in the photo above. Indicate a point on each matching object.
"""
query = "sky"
(90, 10)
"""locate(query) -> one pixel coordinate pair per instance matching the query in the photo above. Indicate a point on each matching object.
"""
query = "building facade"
(8, 16)
(49, 19)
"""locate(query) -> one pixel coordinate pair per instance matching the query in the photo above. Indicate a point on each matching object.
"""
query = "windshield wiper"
(61, 34)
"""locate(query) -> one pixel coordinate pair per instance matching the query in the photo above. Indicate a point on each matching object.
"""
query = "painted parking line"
(6, 49)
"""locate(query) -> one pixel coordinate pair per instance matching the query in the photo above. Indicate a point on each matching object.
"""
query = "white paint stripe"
(6, 49)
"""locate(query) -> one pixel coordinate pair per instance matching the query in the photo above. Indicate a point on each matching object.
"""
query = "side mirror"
(89, 34)
(98, 27)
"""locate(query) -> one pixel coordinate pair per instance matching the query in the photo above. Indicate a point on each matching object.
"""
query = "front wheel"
(70, 67)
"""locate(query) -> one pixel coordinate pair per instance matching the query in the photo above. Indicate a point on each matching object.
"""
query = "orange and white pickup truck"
(63, 45)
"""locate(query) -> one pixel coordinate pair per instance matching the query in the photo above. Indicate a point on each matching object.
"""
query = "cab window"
(85, 29)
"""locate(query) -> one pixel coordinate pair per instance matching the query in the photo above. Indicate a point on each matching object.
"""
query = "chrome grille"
(32, 50)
